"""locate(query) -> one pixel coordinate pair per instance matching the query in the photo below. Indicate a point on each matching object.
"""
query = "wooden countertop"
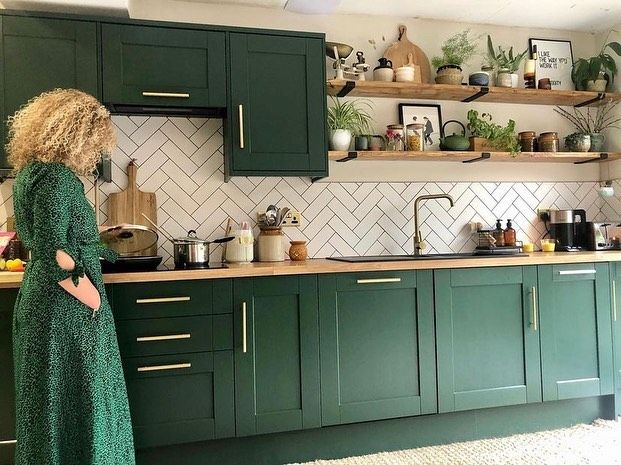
(317, 266)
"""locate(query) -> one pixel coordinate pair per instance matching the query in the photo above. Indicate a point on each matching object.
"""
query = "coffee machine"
(569, 228)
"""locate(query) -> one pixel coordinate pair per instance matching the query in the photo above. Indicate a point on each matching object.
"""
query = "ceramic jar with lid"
(270, 245)
(548, 142)
(384, 71)
(528, 141)
(404, 74)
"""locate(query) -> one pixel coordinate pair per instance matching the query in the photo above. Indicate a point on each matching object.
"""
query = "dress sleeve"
(52, 217)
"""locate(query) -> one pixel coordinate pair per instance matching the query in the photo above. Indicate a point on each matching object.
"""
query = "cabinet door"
(147, 65)
(576, 346)
(488, 339)
(43, 54)
(277, 114)
(615, 284)
(276, 354)
(7, 386)
(377, 346)
(180, 398)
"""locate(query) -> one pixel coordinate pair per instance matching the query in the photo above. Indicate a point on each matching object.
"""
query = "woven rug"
(598, 443)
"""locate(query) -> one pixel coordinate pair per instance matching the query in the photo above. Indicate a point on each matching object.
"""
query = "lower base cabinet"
(576, 344)
(615, 287)
(377, 346)
(487, 337)
(276, 354)
(7, 386)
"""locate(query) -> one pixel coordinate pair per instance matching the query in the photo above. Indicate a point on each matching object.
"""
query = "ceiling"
(576, 15)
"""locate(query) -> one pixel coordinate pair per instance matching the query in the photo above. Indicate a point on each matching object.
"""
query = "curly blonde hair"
(63, 125)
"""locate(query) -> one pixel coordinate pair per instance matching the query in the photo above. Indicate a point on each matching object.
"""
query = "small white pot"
(514, 80)
(504, 80)
(340, 139)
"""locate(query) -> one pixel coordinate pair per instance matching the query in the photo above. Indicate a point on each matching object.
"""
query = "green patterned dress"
(71, 397)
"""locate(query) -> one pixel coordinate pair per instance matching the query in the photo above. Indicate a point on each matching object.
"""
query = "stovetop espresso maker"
(569, 228)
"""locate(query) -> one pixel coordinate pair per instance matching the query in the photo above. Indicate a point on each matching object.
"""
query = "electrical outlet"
(293, 219)
(543, 214)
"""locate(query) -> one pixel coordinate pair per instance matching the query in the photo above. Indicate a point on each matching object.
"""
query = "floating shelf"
(470, 157)
(341, 88)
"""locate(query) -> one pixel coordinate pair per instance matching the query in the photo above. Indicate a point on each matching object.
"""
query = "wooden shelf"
(340, 88)
(469, 157)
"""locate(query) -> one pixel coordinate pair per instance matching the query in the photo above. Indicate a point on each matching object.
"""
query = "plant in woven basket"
(456, 50)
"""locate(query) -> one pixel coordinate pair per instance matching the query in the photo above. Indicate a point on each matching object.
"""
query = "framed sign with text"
(554, 60)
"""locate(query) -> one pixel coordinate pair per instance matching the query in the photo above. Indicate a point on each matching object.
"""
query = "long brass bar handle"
(241, 126)
(575, 272)
(166, 94)
(534, 309)
(161, 300)
(244, 328)
(614, 300)
(174, 366)
(378, 280)
(167, 337)
(8, 442)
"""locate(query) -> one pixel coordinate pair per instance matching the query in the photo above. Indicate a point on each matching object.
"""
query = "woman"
(71, 398)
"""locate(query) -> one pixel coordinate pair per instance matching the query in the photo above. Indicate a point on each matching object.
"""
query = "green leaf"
(595, 66)
(616, 46)
(490, 48)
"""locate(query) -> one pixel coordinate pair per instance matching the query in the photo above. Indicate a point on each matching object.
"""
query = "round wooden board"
(398, 54)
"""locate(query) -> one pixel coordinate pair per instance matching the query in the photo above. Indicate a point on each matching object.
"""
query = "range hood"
(159, 110)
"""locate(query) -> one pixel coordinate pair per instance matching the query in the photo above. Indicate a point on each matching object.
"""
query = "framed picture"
(429, 115)
(554, 60)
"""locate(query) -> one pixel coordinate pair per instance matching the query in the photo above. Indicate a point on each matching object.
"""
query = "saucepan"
(190, 251)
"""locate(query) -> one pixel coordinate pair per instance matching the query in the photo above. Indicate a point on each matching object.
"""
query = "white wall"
(613, 170)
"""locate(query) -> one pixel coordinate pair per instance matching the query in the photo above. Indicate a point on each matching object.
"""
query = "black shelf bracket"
(6, 173)
(347, 88)
(602, 156)
(483, 91)
(600, 96)
(484, 156)
(317, 178)
(350, 156)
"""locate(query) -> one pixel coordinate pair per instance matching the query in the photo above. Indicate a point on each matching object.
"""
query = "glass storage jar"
(395, 137)
(415, 137)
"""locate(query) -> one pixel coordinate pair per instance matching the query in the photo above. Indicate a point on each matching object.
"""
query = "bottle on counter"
(499, 234)
(509, 234)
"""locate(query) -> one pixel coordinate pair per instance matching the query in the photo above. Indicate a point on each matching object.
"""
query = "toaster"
(605, 235)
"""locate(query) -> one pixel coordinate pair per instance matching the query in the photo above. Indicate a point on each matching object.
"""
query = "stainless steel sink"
(404, 258)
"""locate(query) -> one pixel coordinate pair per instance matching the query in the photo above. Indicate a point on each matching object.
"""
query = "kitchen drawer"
(181, 398)
(172, 298)
(376, 280)
(160, 336)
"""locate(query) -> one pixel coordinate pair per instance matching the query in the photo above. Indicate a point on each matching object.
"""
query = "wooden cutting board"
(398, 53)
(127, 206)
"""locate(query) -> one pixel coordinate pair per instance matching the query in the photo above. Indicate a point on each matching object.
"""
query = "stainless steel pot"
(192, 252)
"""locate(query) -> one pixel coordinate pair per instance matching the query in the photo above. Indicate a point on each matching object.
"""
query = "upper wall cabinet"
(276, 123)
(164, 67)
(42, 54)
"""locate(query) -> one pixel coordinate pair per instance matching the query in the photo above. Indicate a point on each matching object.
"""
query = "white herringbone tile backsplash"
(181, 160)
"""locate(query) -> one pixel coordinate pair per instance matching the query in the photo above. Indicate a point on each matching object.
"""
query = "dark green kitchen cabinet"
(40, 54)
(163, 67)
(576, 346)
(276, 123)
(377, 346)
(7, 387)
(615, 286)
(276, 354)
(487, 337)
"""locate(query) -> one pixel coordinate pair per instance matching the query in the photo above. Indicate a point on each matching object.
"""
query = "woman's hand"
(85, 291)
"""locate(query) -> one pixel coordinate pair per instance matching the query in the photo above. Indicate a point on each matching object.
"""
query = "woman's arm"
(85, 291)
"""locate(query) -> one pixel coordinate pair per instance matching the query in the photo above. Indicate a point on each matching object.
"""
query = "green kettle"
(454, 142)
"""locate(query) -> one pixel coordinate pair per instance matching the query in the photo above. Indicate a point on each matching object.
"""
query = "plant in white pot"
(456, 51)
(346, 118)
(595, 73)
(506, 64)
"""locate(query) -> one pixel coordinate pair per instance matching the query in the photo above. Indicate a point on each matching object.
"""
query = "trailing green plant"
(504, 59)
(503, 138)
(350, 115)
(457, 50)
(596, 67)
(589, 121)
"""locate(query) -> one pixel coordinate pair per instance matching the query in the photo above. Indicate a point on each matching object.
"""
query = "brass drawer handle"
(244, 329)
(174, 366)
(8, 442)
(241, 126)
(535, 311)
(574, 272)
(168, 337)
(166, 94)
(160, 300)
(378, 280)
(614, 300)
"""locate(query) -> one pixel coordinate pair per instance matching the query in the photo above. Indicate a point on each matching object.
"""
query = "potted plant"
(594, 74)
(346, 118)
(489, 136)
(456, 51)
(591, 123)
(506, 64)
